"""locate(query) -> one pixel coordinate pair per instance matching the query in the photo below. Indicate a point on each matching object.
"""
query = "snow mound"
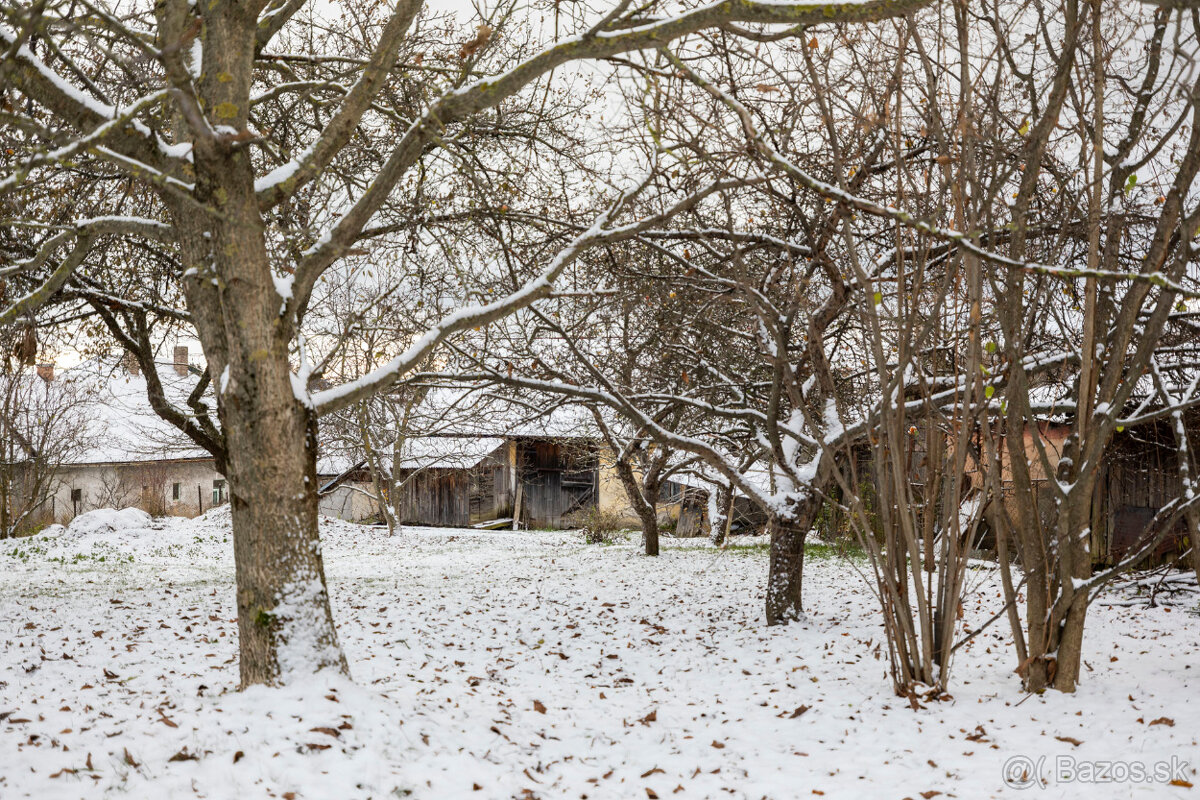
(221, 516)
(133, 537)
(107, 520)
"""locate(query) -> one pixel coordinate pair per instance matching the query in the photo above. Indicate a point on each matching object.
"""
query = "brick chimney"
(130, 363)
(46, 372)
(181, 359)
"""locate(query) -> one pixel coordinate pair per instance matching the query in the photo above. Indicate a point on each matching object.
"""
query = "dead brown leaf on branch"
(482, 35)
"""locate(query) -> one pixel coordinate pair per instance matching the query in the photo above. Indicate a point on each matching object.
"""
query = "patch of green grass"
(27, 551)
(757, 548)
(621, 537)
(33, 530)
(839, 549)
(37, 551)
(813, 549)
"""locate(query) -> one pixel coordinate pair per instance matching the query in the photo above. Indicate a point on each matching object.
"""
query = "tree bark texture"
(284, 619)
(643, 497)
(786, 570)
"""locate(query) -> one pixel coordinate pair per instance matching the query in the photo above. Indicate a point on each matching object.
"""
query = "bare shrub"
(597, 526)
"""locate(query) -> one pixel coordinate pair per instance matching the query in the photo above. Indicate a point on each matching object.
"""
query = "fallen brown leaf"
(184, 755)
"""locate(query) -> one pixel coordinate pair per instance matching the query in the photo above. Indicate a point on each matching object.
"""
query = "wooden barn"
(538, 482)
(1139, 476)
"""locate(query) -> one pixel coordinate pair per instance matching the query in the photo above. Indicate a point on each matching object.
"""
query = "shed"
(466, 480)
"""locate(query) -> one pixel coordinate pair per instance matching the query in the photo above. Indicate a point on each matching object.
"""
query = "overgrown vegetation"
(598, 527)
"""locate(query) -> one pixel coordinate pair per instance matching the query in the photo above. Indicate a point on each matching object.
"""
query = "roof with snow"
(456, 452)
(123, 428)
(448, 411)
(450, 427)
(121, 424)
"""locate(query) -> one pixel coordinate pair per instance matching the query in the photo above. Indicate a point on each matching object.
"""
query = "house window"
(77, 495)
(218, 492)
(175, 491)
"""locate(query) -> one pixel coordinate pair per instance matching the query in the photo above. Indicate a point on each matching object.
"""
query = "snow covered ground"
(501, 665)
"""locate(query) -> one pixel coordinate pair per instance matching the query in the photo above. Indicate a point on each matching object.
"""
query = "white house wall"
(121, 486)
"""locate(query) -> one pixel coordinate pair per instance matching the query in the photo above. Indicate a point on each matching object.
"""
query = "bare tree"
(1008, 272)
(41, 429)
(264, 146)
(113, 491)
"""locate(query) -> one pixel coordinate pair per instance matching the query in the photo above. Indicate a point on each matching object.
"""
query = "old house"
(540, 482)
(487, 468)
(132, 457)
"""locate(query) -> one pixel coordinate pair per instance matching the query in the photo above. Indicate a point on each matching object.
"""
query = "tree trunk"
(786, 572)
(643, 498)
(1035, 670)
(395, 484)
(1070, 645)
(786, 569)
(269, 434)
(380, 494)
(284, 619)
(648, 514)
(246, 324)
(1192, 518)
(720, 523)
(4, 488)
(1195, 556)
(1077, 516)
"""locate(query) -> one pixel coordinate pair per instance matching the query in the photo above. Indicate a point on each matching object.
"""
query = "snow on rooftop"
(465, 412)
(447, 452)
(464, 426)
(121, 424)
